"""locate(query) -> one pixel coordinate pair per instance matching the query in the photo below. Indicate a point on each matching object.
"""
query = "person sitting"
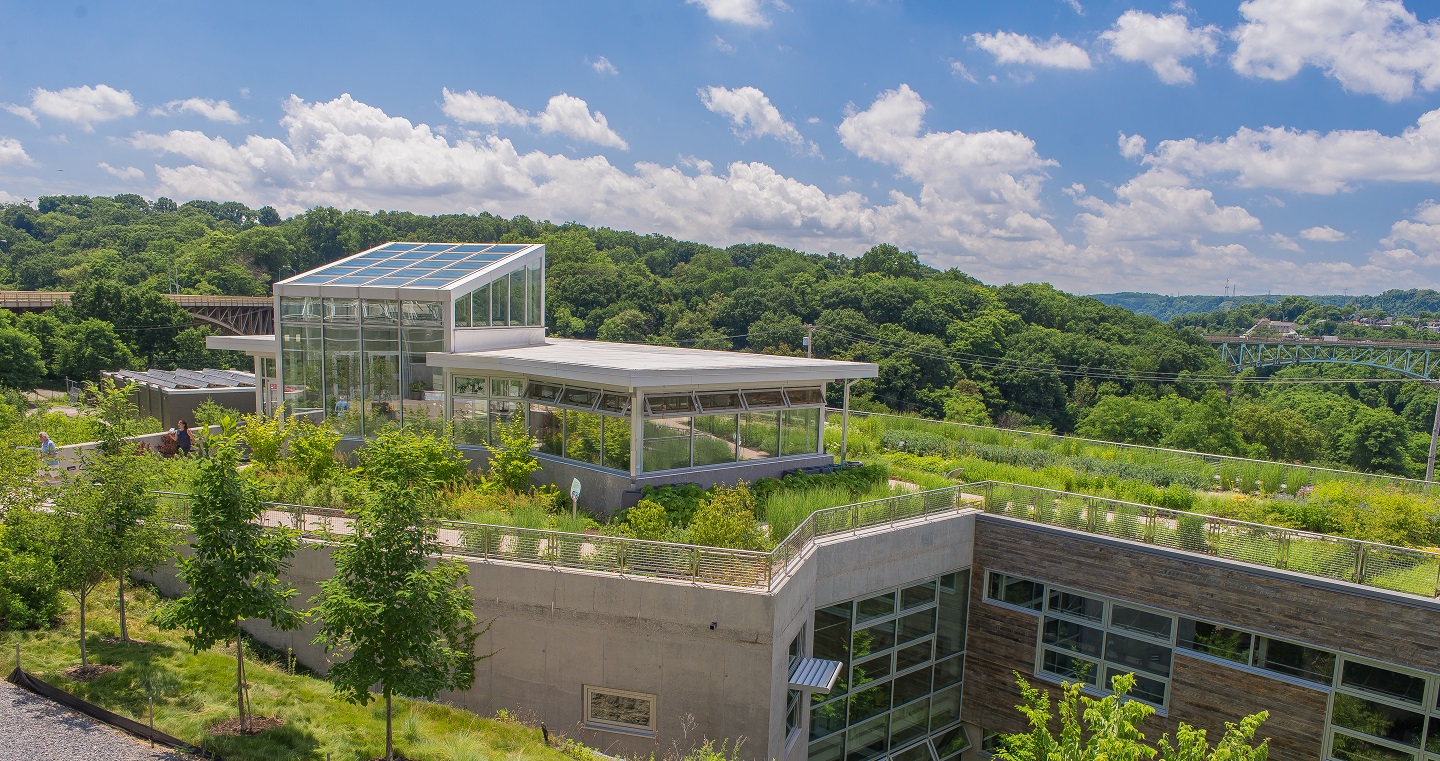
(182, 438)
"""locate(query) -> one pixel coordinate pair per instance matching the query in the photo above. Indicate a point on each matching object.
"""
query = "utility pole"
(1434, 439)
(810, 341)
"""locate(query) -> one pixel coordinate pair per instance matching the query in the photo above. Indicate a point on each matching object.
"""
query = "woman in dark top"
(182, 438)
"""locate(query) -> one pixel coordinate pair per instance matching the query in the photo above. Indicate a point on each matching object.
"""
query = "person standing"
(49, 453)
(182, 438)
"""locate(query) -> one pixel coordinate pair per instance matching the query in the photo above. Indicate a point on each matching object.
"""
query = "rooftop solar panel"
(418, 265)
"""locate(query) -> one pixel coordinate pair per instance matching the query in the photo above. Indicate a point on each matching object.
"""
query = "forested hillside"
(948, 346)
(1394, 303)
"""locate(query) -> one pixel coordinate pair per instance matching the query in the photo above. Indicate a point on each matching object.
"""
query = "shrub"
(680, 501)
(264, 436)
(209, 413)
(312, 450)
(29, 590)
(647, 520)
(727, 519)
(512, 463)
(416, 458)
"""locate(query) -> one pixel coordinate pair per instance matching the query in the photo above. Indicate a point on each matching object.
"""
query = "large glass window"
(800, 431)
(424, 399)
(759, 435)
(382, 378)
(517, 297)
(480, 309)
(617, 442)
(471, 418)
(534, 288)
(899, 692)
(344, 393)
(666, 444)
(462, 311)
(714, 439)
(582, 436)
(547, 425)
(301, 354)
(500, 302)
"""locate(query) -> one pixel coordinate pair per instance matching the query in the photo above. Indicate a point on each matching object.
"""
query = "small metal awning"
(814, 675)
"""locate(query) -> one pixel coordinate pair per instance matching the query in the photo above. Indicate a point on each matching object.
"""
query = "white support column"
(637, 430)
(845, 422)
(259, 385)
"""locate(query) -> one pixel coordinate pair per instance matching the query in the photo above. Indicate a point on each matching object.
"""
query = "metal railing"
(1383, 566)
(1212, 464)
(614, 554)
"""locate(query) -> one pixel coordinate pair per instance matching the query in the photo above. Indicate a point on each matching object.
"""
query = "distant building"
(1265, 327)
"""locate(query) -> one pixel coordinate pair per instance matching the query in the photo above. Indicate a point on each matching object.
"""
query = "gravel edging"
(37, 729)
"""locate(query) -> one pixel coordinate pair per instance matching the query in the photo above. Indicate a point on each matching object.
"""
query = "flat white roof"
(622, 365)
(261, 345)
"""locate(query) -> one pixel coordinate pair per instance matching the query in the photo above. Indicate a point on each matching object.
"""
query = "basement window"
(619, 710)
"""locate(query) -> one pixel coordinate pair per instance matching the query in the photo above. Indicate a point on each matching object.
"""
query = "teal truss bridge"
(1415, 360)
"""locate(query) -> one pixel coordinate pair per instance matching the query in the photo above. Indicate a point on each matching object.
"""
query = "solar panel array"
(411, 265)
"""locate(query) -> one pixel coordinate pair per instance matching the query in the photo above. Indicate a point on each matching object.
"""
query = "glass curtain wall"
(898, 695)
(680, 434)
(355, 359)
(479, 406)
(516, 299)
(581, 424)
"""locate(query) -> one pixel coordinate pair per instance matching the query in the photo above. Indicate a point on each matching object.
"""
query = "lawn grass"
(193, 691)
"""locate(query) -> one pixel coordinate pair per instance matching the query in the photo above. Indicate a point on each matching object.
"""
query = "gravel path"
(36, 729)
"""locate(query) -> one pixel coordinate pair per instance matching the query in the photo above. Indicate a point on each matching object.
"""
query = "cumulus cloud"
(214, 110)
(1375, 47)
(127, 173)
(1323, 234)
(751, 114)
(1012, 48)
(564, 114)
(13, 153)
(1131, 146)
(743, 12)
(980, 213)
(1283, 242)
(1161, 42)
(1310, 162)
(602, 65)
(85, 106)
(1421, 232)
(1160, 207)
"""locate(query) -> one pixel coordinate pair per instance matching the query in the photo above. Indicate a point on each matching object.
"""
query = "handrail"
(1185, 454)
(637, 557)
(1382, 566)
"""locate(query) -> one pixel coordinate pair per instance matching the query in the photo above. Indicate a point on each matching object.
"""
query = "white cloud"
(1075, 6)
(12, 152)
(1369, 46)
(22, 112)
(1323, 234)
(1161, 42)
(743, 12)
(959, 70)
(1131, 146)
(602, 65)
(751, 114)
(1310, 162)
(564, 114)
(1009, 47)
(980, 212)
(722, 45)
(1421, 232)
(1160, 207)
(1283, 242)
(85, 106)
(214, 110)
(127, 173)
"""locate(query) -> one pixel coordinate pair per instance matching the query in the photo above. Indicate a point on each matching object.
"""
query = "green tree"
(396, 614)
(264, 436)
(629, 326)
(1108, 729)
(76, 528)
(312, 450)
(29, 590)
(84, 349)
(20, 359)
(135, 535)
(234, 570)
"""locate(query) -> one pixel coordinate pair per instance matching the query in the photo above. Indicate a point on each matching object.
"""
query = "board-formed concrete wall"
(553, 631)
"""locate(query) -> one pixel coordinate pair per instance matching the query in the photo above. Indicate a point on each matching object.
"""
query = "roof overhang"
(628, 366)
(255, 346)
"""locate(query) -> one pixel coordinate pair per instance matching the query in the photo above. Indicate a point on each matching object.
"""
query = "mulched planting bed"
(258, 724)
(90, 673)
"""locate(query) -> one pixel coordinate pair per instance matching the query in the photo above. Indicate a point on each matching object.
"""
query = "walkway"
(36, 729)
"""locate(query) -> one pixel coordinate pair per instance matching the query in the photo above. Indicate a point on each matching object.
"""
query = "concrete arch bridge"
(1416, 360)
(232, 315)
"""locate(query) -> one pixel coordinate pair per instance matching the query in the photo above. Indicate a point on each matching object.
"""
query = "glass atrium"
(426, 334)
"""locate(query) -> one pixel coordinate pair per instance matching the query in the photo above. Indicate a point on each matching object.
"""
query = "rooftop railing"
(620, 555)
(1383, 566)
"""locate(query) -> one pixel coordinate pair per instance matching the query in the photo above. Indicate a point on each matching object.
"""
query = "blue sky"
(1284, 145)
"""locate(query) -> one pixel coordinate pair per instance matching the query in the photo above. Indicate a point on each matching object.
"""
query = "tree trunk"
(124, 633)
(240, 677)
(83, 661)
(389, 735)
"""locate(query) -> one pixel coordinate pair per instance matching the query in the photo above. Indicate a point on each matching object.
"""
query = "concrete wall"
(555, 630)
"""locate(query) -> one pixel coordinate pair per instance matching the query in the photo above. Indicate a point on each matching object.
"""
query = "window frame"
(607, 725)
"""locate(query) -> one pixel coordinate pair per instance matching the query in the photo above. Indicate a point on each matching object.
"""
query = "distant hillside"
(1395, 303)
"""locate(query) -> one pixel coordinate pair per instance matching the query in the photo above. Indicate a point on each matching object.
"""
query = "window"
(543, 392)
(1013, 590)
(670, 404)
(584, 398)
(1383, 712)
(619, 710)
(1092, 640)
(794, 699)
(759, 400)
(801, 396)
(1294, 660)
(714, 401)
(900, 693)
(1214, 639)
(615, 403)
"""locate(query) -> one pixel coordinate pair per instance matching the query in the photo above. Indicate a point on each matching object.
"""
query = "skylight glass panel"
(349, 280)
(434, 248)
(312, 279)
(471, 248)
(431, 282)
(423, 265)
(508, 248)
(390, 281)
(396, 247)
